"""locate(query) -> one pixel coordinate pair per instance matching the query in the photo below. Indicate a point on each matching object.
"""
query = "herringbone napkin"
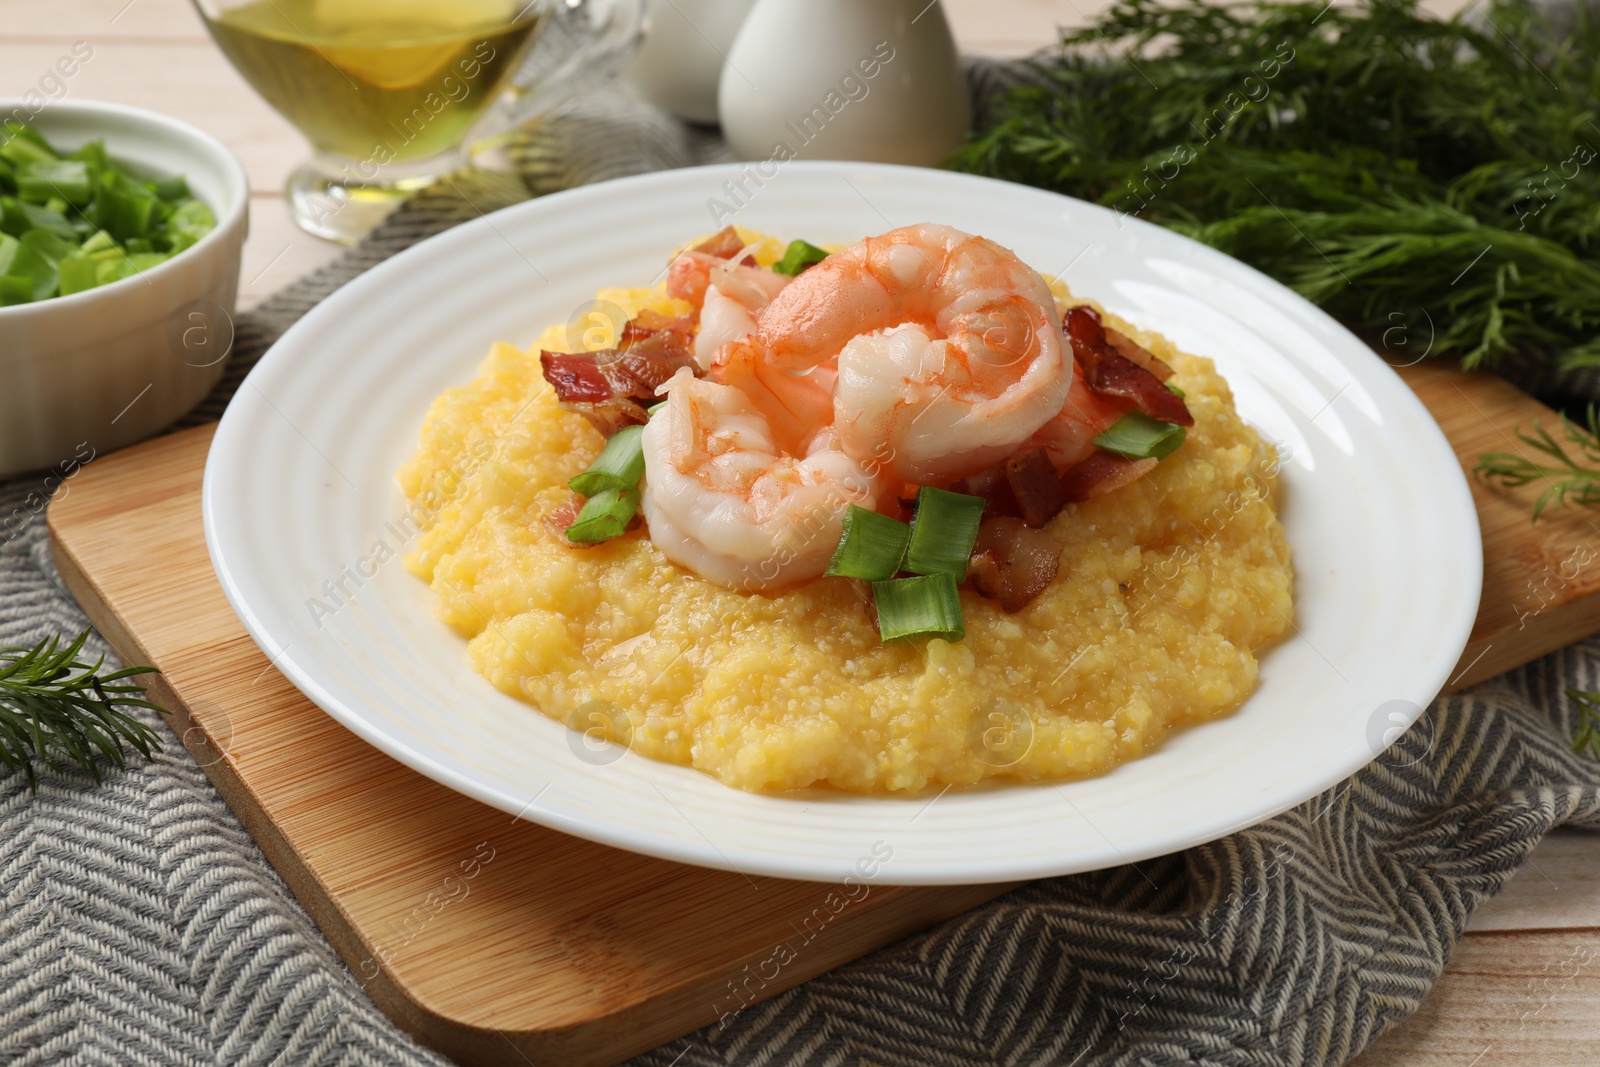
(141, 925)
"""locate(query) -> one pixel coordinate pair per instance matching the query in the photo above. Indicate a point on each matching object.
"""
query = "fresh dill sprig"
(57, 709)
(1379, 161)
(1569, 478)
(1587, 736)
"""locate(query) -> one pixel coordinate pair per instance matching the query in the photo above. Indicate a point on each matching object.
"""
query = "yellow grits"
(1167, 590)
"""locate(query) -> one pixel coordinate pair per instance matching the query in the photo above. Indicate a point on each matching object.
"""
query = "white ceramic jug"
(685, 42)
(844, 79)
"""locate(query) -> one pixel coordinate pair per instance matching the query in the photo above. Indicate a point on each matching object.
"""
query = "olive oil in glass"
(385, 90)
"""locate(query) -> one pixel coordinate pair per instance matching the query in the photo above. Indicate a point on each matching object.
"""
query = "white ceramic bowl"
(83, 374)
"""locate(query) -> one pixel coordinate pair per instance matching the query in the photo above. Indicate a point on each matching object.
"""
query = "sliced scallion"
(943, 532)
(1139, 436)
(871, 546)
(173, 188)
(67, 179)
(606, 515)
(24, 146)
(797, 257)
(619, 466)
(925, 606)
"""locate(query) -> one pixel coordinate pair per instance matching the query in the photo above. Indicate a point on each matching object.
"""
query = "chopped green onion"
(94, 154)
(871, 546)
(925, 606)
(15, 290)
(17, 218)
(70, 223)
(49, 245)
(78, 273)
(37, 259)
(619, 466)
(798, 256)
(173, 188)
(1141, 437)
(1175, 391)
(22, 150)
(140, 261)
(63, 178)
(123, 206)
(943, 532)
(192, 215)
(605, 516)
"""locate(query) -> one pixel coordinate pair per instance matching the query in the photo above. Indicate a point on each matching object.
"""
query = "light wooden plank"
(101, 20)
(1559, 887)
(1505, 1001)
(277, 251)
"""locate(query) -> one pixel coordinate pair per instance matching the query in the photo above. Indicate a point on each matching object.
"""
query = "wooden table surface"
(1523, 987)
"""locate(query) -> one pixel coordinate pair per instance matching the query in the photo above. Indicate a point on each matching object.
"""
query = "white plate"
(300, 491)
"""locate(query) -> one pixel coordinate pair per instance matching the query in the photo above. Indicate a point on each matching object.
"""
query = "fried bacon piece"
(1109, 372)
(724, 244)
(1012, 563)
(609, 416)
(648, 321)
(612, 387)
(993, 486)
(563, 517)
(1138, 353)
(1013, 559)
(1101, 473)
(1035, 486)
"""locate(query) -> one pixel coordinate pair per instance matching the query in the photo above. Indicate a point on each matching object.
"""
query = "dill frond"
(56, 709)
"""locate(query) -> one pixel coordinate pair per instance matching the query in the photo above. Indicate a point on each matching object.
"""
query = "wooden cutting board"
(486, 936)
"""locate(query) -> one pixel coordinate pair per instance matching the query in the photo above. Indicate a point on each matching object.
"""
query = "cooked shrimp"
(730, 293)
(948, 348)
(1068, 436)
(724, 500)
(794, 405)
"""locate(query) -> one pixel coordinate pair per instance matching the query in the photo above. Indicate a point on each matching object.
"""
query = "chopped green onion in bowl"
(1138, 436)
(78, 221)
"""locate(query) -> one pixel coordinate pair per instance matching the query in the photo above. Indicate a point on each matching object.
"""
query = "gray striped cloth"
(141, 925)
